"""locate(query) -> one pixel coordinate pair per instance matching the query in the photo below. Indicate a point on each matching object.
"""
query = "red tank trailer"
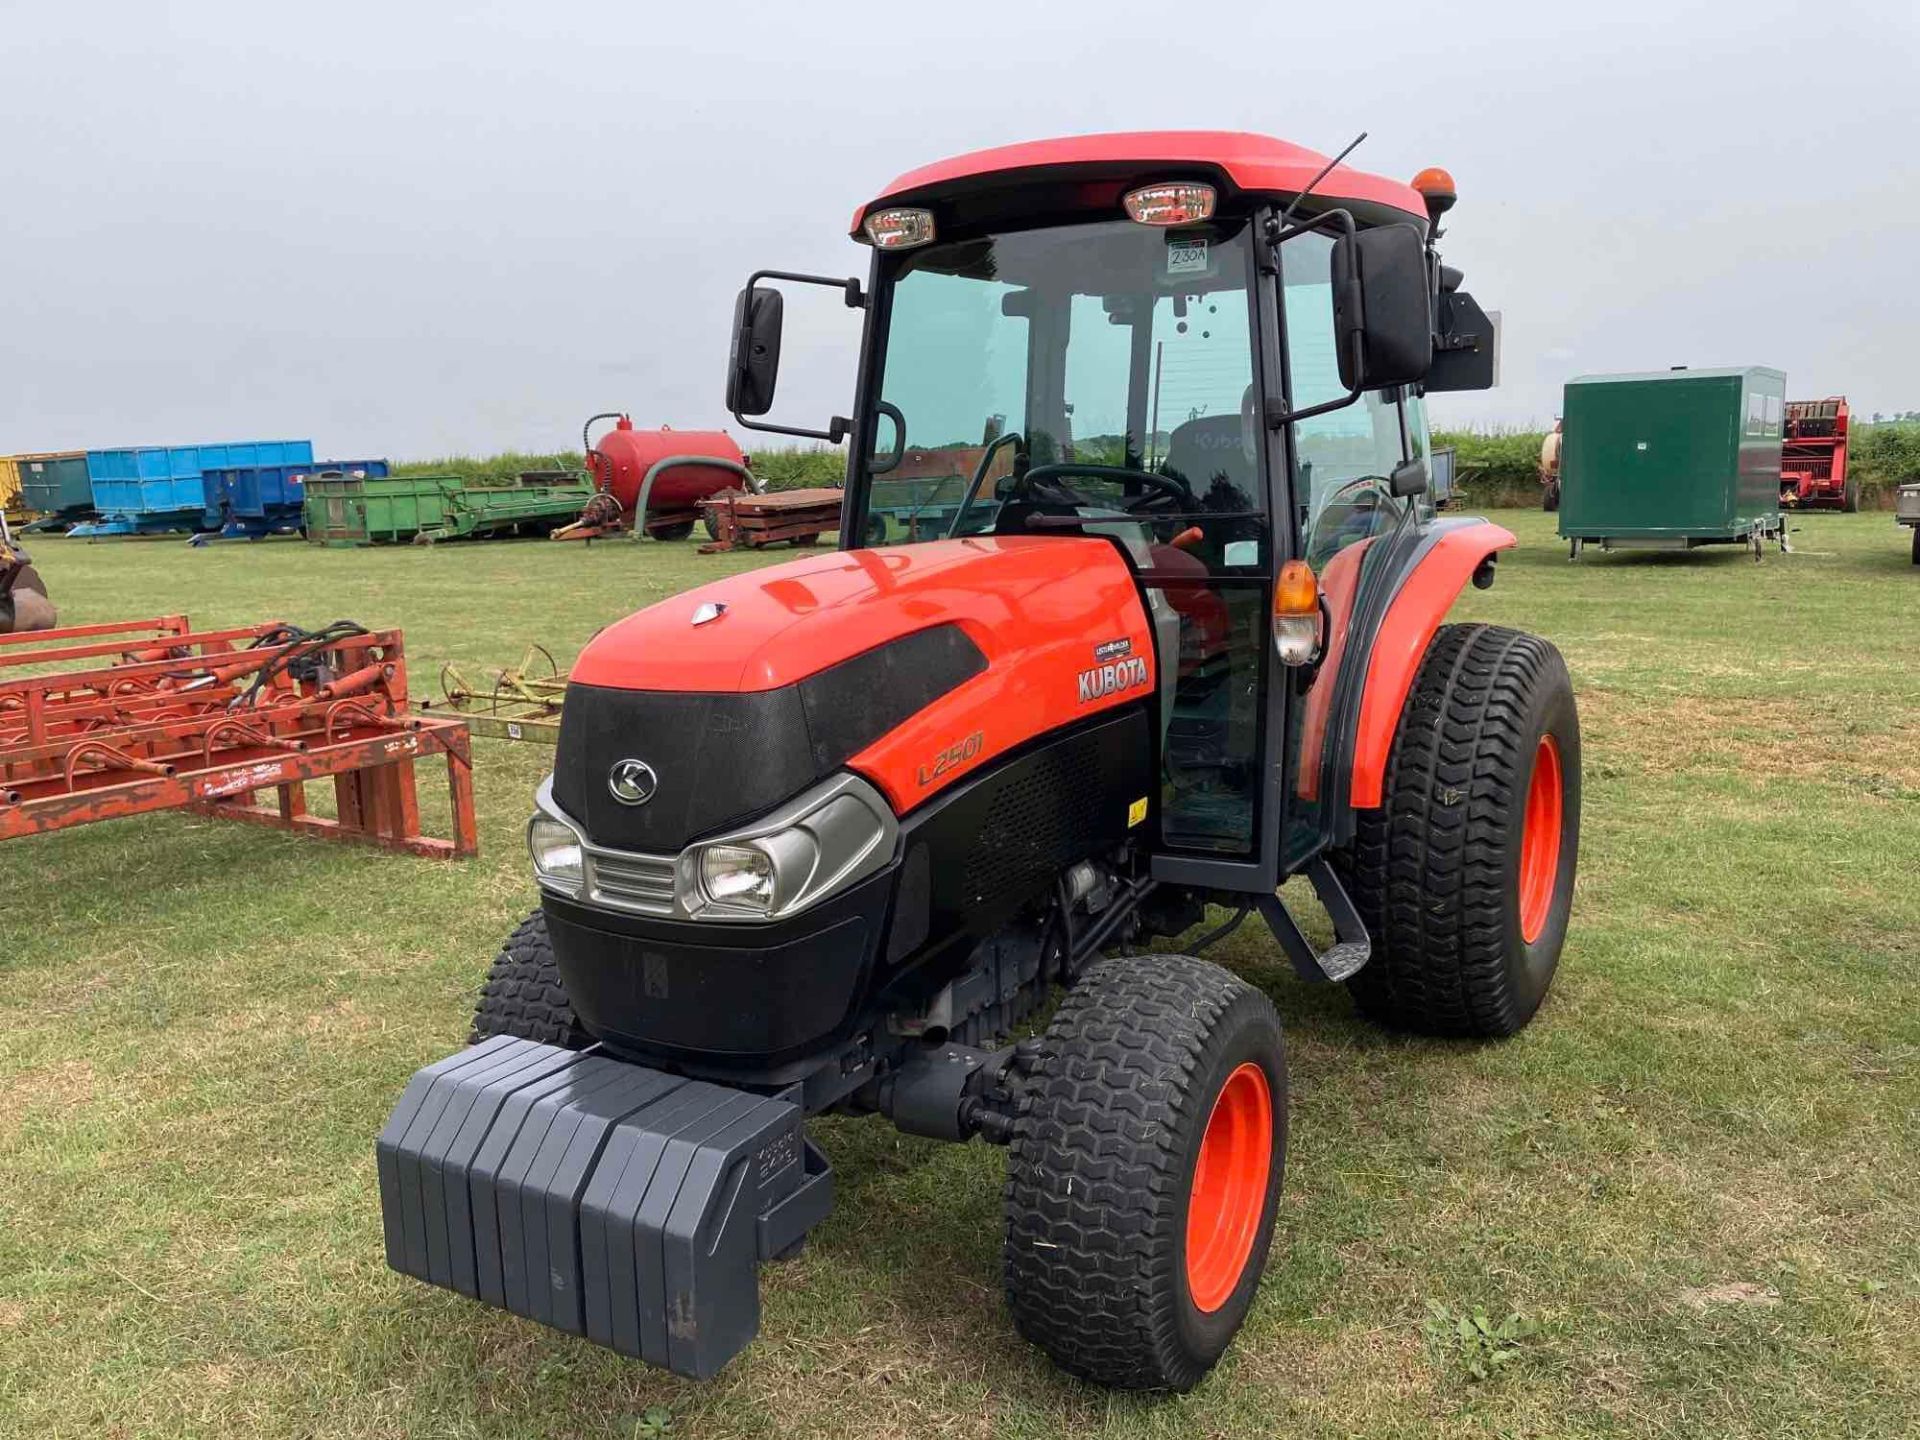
(660, 475)
(1813, 457)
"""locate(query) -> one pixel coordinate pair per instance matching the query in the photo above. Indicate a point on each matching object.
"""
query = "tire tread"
(1427, 868)
(523, 995)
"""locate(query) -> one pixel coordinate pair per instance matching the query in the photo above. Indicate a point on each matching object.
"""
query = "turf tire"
(1435, 870)
(524, 996)
(1099, 1174)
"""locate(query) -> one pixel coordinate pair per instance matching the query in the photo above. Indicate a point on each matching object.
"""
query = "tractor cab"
(1211, 350)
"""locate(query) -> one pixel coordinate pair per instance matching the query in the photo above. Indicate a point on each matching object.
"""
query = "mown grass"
(1695, 1172)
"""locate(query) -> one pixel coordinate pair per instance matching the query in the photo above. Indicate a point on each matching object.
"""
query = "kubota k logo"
(632, 782)
(1105, 680)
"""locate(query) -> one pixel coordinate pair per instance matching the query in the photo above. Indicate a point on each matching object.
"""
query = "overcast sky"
(411, 228)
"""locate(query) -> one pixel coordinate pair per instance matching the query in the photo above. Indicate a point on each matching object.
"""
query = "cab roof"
(1246, 162)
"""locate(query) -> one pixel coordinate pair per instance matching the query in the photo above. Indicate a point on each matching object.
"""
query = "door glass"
(1345, 508)
(1210, 753)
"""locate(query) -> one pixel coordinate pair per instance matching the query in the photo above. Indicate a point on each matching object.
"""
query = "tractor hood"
(774, 627)
(912, 665)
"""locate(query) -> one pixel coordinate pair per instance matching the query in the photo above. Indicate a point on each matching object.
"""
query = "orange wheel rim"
(1540, 840)
(1229, 1187)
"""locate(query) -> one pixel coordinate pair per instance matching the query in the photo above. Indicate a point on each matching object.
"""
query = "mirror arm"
(1277, 417)
(836, 430)
(850, 288)
(1277, 234)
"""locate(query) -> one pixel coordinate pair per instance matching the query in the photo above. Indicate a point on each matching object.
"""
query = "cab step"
(1351, 948)
(603, 1198)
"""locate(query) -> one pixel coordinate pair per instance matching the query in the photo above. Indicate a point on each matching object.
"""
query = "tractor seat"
(1207, 452)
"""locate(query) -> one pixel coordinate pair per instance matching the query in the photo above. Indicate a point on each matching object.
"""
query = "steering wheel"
(1164, 486)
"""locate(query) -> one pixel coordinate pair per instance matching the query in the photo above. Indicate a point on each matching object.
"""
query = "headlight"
(556, 852)
(737, 875)
(756, 876)
(814, 846)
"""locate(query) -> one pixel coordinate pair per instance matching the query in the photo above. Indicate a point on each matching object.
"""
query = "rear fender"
(1423, 596)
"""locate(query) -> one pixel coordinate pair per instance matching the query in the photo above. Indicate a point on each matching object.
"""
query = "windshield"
(1093, 373)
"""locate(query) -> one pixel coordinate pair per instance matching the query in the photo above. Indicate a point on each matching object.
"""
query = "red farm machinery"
(928, 827)
(652, 481)
(100, 722)
(1813, 457)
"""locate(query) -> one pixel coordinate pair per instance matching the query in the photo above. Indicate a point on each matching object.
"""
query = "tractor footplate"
(603, 1198)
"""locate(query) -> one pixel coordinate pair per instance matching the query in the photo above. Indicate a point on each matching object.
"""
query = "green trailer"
(56, 486)
(1672, 459)
(348, 510)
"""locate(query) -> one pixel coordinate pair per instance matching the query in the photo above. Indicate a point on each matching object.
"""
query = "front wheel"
(1145, 1171)
(1464, 875)
(679, 530)
(524, 995)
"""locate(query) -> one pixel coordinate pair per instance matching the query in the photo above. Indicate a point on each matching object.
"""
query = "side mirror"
(1382, 307)
(754, 364)
(1409, 478)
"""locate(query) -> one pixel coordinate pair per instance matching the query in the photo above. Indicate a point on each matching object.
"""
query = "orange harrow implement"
(136, 716)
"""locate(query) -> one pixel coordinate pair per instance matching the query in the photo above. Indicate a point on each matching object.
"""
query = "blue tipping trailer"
(156, 488)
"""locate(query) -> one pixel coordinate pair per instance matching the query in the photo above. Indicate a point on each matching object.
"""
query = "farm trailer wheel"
(1464, 875)
(1145, 1169)
(523, 995)
(679, 530)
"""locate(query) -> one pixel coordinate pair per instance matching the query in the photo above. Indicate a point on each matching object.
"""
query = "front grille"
(629, 881)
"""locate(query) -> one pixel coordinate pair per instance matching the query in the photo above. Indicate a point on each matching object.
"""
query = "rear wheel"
(1464, 875)
(678, 531)
(1916, 544)
(1550, 496)
(524, 995)
(1850, 498)
(1145, 1171)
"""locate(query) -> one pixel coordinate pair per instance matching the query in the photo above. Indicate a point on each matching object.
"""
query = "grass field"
(1694, 1178)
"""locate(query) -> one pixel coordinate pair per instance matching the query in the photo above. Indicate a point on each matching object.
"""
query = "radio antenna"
(1327, 170)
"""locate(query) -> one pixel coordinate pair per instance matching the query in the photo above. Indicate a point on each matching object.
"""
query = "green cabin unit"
(1671, 459)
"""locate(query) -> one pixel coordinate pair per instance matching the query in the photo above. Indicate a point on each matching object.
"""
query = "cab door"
(1347, 524)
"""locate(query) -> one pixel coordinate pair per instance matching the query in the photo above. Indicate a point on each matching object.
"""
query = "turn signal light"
(899, 229)
(1297, 630)
(1298, 591)
(1176, 203)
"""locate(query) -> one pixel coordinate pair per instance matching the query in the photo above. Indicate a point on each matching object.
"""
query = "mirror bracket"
(1278, 234)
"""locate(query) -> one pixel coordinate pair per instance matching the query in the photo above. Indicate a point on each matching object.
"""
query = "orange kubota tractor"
(827, 836)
